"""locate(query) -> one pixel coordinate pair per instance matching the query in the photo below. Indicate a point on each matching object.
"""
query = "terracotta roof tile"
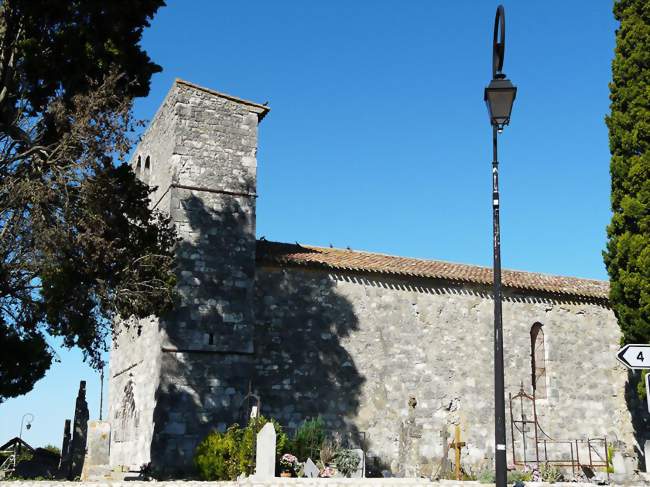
(352, 260)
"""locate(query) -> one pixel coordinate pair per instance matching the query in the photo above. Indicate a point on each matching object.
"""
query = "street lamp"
(30, 419)
(499, 97)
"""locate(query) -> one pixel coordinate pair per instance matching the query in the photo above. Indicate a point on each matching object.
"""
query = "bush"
(225, 456)
(347, 462)
(215, 457)
(549, 473)
(308, 439)
(519, 476)
(486, 477)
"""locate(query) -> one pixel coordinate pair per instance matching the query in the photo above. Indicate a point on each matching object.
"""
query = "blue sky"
(378, 136)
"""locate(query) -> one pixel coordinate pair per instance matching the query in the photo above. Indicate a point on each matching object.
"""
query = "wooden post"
(458, 446)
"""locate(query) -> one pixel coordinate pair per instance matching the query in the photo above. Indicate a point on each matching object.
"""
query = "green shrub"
(347, 462)
(519, 476)
(216, 457)
(486, 477)
(549, 473)
(225, 456)
(308, 439)
(610, 455)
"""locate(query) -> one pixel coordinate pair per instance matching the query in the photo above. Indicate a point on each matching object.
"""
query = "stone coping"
(302, 482)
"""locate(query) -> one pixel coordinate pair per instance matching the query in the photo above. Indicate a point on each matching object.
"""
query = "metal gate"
(536, 447)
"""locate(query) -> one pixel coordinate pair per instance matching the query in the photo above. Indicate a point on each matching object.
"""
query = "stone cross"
(311, 470)
(458, 446)
(265, 453)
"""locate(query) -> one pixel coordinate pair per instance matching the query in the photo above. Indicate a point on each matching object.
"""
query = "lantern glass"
(499, 97)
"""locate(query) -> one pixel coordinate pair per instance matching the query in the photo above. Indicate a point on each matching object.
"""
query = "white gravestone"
(265, 453)
(311, 470)
(361, 469)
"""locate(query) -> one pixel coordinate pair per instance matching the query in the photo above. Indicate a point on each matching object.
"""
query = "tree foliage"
(79, 245)
(628, 249)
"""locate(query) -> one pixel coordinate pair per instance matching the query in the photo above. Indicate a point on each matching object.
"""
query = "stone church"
(392, 352)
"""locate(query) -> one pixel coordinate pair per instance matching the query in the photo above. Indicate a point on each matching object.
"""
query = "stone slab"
(265, 453)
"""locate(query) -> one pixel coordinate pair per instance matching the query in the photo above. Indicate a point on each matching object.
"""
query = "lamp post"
(30, 419)
(499, 97)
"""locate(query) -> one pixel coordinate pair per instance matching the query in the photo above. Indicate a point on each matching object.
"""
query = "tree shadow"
(237, 329)
(303, 369)
(639, 413)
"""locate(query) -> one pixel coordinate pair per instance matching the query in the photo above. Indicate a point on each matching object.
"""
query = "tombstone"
(361, 469)
(79, 433)
(97, 449)
(618, 462)
(64, 464)
(265, 453)
(646, 452)
(311, 470)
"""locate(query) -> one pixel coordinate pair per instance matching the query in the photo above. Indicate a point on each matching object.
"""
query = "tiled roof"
(351, 260)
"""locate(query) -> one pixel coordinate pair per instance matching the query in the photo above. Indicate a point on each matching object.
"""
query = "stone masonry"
(355, 346)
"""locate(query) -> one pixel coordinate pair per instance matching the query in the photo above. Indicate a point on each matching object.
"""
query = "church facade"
(391, 352)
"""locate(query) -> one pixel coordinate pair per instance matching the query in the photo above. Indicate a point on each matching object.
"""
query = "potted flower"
(288, 464)
(327, 472)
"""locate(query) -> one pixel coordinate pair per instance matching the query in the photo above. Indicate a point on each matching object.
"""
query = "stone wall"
(355, 348)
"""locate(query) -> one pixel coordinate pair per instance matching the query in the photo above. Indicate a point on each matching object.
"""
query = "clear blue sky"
(378, 136)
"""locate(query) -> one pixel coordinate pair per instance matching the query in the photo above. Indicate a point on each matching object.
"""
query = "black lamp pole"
(499, 97)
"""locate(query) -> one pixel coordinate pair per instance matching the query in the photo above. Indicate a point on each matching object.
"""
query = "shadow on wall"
(639, 411)
(289, 353)
(302, 368)
(207, 355)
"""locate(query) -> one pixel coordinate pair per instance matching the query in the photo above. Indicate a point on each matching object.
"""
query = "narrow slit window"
(138, 166)
(147, 164)
(538, 361)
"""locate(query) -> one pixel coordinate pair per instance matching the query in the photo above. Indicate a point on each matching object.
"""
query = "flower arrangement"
(327, 472)
(288, 463)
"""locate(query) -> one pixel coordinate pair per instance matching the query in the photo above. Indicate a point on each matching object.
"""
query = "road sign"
(635, 356)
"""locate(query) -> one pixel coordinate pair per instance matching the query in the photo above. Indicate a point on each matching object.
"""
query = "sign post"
(635, 356)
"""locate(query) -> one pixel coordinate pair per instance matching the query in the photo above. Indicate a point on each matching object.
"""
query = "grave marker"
(311, 470)
(265, 453)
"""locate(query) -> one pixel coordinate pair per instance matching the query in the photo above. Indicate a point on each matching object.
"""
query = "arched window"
(147, 164)
(538, 361)
(138, 166)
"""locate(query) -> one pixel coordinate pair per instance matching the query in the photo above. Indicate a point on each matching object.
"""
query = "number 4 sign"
(635, 356)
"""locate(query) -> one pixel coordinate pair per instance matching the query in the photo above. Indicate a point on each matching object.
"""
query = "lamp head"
(499, 97)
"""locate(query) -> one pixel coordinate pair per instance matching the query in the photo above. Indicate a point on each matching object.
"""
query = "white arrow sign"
(635, 356)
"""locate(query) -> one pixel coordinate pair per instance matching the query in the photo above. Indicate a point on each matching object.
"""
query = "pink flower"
(327, 472)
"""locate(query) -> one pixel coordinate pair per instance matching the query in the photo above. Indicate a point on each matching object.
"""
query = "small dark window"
(138, 166)
(211, 339)
(147, 164)
(538, 361)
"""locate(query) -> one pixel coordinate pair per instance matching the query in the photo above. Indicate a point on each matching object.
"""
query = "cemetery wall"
(354, 349)
(303, 482)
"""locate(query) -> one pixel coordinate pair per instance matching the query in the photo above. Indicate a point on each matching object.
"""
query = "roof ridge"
(262, 109)
(439, 261)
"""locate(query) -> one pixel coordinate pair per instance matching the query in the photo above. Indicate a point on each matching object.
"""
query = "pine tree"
(628, 249)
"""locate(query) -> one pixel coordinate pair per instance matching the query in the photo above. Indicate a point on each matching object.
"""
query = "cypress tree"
(627, 256)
